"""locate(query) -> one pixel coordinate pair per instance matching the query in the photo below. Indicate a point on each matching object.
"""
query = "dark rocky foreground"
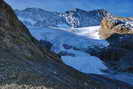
(24, 64)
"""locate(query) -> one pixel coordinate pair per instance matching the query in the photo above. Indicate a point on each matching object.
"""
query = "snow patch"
(63, 26)
(90, 32)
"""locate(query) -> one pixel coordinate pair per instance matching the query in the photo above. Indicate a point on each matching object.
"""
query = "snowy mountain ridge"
(73, 18)
(38, 17)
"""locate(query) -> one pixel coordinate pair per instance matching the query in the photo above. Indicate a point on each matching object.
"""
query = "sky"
(116, 7)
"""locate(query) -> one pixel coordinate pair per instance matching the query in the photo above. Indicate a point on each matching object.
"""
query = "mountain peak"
(33, 9)
(101, 12)
(76, 9)
(82, 18)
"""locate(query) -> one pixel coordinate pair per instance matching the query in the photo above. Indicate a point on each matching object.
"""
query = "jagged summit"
(82, 18)
(75, 10)
(102, 12)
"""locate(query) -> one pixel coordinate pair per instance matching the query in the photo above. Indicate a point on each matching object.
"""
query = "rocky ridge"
(112, 25)
(118, 31)
(81, 18)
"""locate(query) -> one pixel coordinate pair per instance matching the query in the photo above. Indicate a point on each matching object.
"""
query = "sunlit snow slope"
(89, 32)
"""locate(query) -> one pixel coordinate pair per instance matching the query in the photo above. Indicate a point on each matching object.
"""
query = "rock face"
(82, 18)
(73, 18)
(119, 33)
(117, 25)
(118, 55)
(26, 65)
(122, 43)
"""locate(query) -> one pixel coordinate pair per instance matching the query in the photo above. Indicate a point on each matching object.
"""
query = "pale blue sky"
(117, 7)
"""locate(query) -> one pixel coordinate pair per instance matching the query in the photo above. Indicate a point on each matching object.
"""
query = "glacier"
(81, 38)
(80, 60)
